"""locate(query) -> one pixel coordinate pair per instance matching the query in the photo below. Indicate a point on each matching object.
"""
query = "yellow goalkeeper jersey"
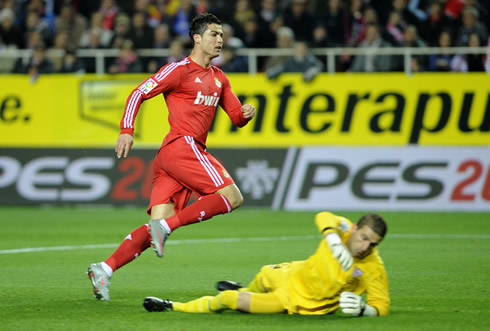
(315, 285)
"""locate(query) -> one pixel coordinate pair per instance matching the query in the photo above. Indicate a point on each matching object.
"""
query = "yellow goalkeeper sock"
(209, 304)
(224, 300)
(200, 305)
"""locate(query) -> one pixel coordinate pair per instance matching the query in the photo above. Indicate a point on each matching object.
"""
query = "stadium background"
(408, 142)
(348, 140)
(412, 147)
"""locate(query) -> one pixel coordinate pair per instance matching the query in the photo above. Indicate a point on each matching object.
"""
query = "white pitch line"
(438, 236)
(171, 242)
(247, 239)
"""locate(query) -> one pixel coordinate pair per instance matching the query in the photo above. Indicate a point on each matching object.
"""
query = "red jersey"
(192, 94)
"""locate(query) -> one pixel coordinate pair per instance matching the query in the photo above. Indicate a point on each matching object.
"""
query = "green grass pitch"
(438, 266)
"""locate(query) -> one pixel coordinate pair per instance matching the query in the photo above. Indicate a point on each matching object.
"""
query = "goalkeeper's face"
(362, 241)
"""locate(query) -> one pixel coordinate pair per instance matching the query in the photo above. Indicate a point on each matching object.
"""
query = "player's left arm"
(248, 111)
(239, 114)
(378, 295)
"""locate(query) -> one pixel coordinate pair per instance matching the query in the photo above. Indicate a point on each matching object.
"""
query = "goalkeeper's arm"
(353, 304)
(339, 251)
(329, 224)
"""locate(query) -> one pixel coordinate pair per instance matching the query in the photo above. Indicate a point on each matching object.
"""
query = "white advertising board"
(398, 178)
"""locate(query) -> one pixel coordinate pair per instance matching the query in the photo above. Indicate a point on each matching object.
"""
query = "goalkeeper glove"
(339, 251)
(353, 304)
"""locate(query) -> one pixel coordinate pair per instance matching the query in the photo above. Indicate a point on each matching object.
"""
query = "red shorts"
(182, 167)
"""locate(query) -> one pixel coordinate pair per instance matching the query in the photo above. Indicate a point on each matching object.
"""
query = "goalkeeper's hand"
(339, 251)
(353, 304)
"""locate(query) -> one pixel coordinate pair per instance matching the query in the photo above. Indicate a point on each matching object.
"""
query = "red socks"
(139, 240)
(132, 246)
(206, 207)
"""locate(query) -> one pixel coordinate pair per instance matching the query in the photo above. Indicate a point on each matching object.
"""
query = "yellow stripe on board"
(341, 109)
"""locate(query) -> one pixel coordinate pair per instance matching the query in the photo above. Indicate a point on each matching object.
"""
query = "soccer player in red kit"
(192, 89)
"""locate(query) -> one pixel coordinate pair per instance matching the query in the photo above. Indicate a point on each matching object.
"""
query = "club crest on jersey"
(208, 100)
(344, 226)
(226, 174)
(218, 83)
(357, 272)
(147, 86)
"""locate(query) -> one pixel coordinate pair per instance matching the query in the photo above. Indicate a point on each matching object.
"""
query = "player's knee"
(233, 195)
(237, 200)
(243, 301)
(228, 299)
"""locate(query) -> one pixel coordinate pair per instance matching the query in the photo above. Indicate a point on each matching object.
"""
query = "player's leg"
(158, 229)
(167, 197)
(161, 207)
(268, 279)
(263, 294)
(163, 210)
(232, 194)
(138, 240)
(194, 168)
(131, 247)
(259, 303)
(256, 303)
(203, 209)
(208, 304)
(255, 286)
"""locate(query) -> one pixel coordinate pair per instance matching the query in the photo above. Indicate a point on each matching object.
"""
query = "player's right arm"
(334, 228)
(124, 144)
(165, 80)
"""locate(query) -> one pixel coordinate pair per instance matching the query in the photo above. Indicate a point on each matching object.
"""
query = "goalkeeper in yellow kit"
(345, 266)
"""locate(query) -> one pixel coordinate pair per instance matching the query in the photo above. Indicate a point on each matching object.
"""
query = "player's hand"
(353, 304)
(248, 111)
(123, 145)
(339, 251)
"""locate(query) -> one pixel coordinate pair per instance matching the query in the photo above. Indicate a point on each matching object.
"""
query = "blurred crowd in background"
(50, 26)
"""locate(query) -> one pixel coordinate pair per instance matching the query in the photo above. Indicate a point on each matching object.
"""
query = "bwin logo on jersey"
(208, 100)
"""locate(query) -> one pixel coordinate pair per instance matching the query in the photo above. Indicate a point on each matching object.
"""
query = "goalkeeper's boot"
(100, 281)
(155, 304)
(228, 285)
(158, 236)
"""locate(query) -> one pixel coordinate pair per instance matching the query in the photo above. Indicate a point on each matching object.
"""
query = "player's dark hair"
(375, 222)
(200, 23)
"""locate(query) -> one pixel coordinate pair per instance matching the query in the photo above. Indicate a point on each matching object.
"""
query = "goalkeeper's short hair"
(375, 222)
